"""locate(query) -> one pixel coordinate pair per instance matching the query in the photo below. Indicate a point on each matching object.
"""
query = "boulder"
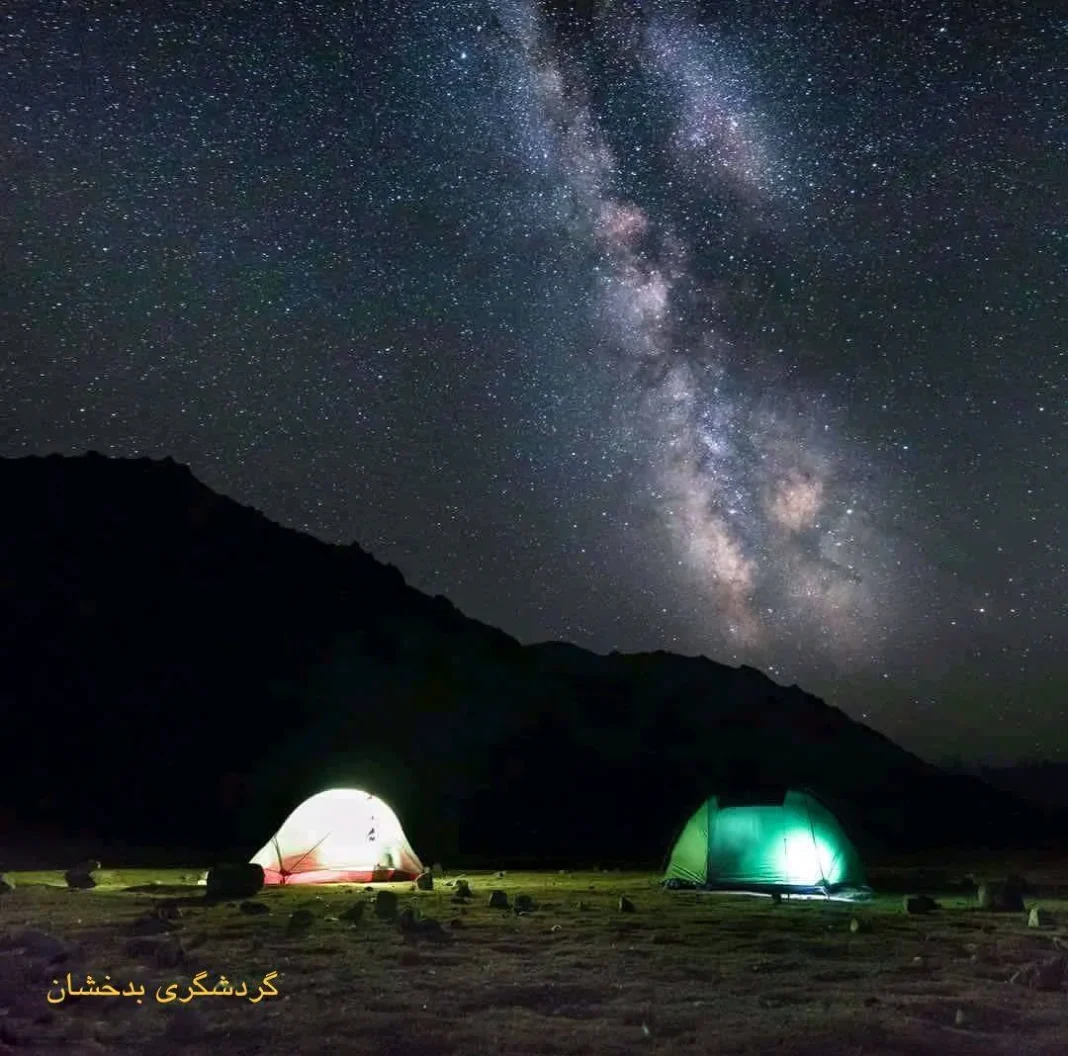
(6, 884)
(918, 904)
(300, 920)
(425, 882)
(234, 881)
(386, 905)
(625, 905)
(1042, 975)
(463, 889)
(523, 904)
(1039, 918)
(352, 915)
(498, 900)
(1001, 896)
(80, 877)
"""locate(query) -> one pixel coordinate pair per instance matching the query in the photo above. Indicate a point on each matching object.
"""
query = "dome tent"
(766, 841)
(341, 836)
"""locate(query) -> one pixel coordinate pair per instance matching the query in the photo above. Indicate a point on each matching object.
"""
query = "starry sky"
(729, 328)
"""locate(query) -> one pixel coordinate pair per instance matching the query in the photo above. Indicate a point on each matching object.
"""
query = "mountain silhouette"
(176, 670)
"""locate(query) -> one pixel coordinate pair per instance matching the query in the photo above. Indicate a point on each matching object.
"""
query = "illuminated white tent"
(342, 836)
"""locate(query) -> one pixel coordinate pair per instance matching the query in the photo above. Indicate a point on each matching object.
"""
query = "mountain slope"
(176, 668)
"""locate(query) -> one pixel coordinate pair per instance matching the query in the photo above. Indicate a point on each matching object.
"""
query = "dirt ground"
(684, 973)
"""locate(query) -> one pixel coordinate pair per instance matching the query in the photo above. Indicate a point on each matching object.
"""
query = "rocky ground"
(670, 972)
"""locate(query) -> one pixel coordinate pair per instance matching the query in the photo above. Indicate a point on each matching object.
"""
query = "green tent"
(761, 842)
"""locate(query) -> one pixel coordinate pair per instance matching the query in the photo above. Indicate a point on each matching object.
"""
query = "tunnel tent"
(340, 836)
(765, 842)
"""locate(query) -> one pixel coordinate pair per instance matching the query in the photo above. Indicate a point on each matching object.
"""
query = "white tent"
(342, 836)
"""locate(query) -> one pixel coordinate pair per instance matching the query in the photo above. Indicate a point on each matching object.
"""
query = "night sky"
(735, 329)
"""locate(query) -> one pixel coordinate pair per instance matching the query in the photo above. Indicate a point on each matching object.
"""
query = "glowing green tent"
(779, 842)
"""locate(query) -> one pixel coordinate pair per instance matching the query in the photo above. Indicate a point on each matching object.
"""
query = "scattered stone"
(960, 1019)
(163, 953)
(498, 900)
(1042, 975)
(625, 905)
(300, 920)
(1039, 918)
(6, 885)
(918, 904)
(153, 924)
(463, 889)
(188, 1024)
(37, 944)
(524, 904)
(80, 877)
(354, 914)
(411, 923)
(1001, 897)
(386, 905)
(234, 881)
(254, 909)
(425, 882)
(858, 925)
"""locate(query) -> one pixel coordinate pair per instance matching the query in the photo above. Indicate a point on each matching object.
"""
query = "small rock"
(6, 885)
(386, 905)
(163, 953)
(425, 882)
(37, 944)
(500, 875)
(354, 914)
(556, 927)
(524, 904)
(463, 889)
(1000, 897)
(920, 961)
(234, 881)
(300, 920)
(625, 905)
(152, 924)
(498, 900)
(960, 1019)
(920, 904)
(79, 877)
(254, 909)
(859, 925)
(1039, 918)
(187, 1024)
(776, 898)
(1042, 975)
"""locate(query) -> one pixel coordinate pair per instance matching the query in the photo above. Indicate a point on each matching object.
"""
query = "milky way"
(730, 329)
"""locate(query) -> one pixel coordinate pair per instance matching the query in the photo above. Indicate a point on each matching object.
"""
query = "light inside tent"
(340, 831)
